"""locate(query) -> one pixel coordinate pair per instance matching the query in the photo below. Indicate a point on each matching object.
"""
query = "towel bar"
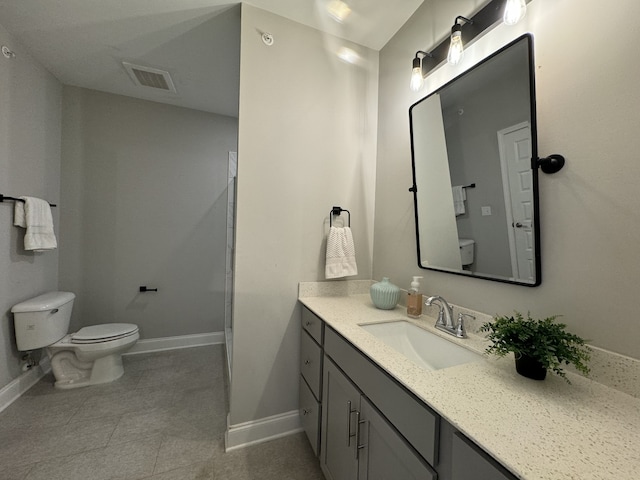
(337, 211)
(7, 198)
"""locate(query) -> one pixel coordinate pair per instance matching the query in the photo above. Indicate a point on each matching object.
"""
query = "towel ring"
(337, 211)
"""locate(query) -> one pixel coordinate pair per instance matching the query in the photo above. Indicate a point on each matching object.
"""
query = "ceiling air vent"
(150, 77)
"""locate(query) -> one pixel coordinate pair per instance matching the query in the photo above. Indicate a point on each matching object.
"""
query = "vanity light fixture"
(417, 73)
(456, 49)
(514, 11)
(451, 48)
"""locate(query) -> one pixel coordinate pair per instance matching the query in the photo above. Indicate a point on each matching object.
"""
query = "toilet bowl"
(90, 356)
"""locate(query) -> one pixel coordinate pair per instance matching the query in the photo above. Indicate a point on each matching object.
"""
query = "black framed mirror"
(475, 181)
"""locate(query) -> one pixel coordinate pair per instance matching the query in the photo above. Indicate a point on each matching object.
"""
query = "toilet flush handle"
(144, 288)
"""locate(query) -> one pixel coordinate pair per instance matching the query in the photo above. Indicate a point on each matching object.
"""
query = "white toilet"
(466, 251)
(92, 355)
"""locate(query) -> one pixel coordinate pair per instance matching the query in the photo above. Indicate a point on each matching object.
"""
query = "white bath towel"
(459, 196)
(34, 214)
(341, 253)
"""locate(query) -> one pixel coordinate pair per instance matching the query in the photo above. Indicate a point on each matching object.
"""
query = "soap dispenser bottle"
(414, 299)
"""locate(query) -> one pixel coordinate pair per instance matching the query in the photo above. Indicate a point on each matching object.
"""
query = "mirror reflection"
(475, 192)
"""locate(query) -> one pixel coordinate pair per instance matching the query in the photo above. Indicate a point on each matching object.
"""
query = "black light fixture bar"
(487, 16)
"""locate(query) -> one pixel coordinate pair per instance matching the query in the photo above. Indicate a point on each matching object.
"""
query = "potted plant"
(538, 345)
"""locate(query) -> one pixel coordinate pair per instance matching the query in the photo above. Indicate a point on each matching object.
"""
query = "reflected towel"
(341, 253)
(35, 215)
(459, 196)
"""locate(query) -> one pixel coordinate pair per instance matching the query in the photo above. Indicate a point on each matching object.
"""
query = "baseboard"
(172, 343)
(258, 431)
(12, 391)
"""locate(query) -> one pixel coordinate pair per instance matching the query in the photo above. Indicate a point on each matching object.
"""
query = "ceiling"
(84, 42)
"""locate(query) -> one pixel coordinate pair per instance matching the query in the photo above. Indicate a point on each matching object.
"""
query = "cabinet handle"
(307, 323)
(358, 445)
(349, 412)
(305, 411)
(307, 362)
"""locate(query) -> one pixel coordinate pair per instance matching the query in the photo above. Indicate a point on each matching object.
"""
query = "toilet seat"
(106, 332)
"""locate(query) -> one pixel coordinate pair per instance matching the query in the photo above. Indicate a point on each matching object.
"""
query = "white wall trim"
(262, 430)
(12, 391)
(172, 343)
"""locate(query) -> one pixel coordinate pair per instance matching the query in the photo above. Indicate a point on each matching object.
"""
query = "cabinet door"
(309, 415)
(340, 399)
(383, 453)
(469, 462)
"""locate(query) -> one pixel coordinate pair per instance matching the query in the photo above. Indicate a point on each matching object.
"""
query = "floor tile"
(126, 461)
(139, 425)
(178, 450)
(287, 458)
(15, 473)
(195, 471)
(26, 446)
(44, 410)
(120, 403)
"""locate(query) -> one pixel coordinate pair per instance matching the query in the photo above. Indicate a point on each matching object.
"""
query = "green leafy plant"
(543, 340)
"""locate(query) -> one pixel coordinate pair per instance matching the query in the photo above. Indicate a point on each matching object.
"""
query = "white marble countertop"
(539, 430)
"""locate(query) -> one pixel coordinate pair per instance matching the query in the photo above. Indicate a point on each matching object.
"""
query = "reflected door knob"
(517, 225)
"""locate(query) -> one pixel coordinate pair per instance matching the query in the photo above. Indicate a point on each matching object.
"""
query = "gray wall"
(144, 203)
(590, 211)
(30, 100)
(307, 129)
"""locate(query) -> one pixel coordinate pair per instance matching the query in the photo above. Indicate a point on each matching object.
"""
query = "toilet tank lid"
(41, 303)
(464, 242)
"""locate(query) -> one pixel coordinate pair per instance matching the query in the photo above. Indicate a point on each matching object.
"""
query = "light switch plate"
(486, 211)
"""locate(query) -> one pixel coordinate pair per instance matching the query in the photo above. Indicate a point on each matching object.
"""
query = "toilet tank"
(42, 320)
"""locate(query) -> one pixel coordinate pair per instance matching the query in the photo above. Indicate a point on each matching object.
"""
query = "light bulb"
(417, 80)
(456, 50)
(514, 11)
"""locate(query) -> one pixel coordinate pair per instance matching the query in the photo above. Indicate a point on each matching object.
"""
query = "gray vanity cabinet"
(364, 425)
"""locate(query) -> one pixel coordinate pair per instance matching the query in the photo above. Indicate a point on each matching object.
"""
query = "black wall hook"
(551, 164)
(144, 288)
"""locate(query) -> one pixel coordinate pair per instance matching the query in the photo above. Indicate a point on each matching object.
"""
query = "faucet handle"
(460, 330)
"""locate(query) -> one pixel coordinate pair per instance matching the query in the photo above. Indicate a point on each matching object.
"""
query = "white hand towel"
(459, 196)
(35, 215)
(341, 253)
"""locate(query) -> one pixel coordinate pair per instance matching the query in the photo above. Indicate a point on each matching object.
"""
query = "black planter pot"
(530, 368)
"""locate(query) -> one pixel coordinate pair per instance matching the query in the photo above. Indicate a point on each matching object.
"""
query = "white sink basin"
(422, 347)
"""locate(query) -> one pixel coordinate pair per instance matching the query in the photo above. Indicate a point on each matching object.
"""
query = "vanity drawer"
(309, 415)
(417, 423)
(312, 324)
(311, 363)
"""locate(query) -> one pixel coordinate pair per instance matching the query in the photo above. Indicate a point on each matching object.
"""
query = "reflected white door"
(515, 156)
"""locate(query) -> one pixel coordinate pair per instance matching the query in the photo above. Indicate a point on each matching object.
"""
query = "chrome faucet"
(445, 317)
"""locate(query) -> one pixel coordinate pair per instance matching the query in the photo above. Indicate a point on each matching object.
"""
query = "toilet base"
(71, 372)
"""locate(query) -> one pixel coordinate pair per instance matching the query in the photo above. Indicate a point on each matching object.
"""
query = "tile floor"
(163, 420)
